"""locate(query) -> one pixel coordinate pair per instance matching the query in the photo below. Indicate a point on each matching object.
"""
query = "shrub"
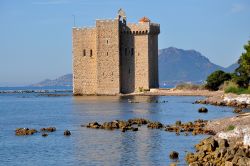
(217, 78)
(141, 89)
(232, 87)
(230, 127)
(188, 86)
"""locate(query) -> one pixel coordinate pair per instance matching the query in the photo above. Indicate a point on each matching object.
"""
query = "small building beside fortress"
(115, 57)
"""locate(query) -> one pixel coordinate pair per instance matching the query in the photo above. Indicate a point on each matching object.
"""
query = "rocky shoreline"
(229, 146)
(231, 100)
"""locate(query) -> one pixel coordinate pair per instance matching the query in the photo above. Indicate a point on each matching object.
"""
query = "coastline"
(176, 92)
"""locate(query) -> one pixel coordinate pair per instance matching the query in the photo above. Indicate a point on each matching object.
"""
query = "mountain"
(232, 67)
(178, 65)
(175, 66)
(65, 80)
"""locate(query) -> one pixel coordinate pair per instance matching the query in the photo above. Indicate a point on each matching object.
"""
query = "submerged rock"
(67, 133)
(94, 125)
(49, 129)
(237, 110)
(203, 110)
(138, 121)
(173, 155)
(44, 134)
(25, 131)
(155, 125)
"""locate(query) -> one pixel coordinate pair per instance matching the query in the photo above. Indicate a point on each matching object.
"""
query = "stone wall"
(84, 61)
(153, 61)
(108, 59)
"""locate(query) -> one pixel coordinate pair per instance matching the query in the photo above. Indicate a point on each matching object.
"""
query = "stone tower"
(115, 57)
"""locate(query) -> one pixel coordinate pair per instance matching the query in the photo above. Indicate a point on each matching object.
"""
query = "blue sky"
(35, 35)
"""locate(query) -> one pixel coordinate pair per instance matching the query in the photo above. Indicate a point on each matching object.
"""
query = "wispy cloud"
(50, 2)
(236, 8)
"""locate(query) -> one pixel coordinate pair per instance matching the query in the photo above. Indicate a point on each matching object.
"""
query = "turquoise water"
(89, 146)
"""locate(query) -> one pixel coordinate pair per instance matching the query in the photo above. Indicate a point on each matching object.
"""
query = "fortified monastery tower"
(115, 57)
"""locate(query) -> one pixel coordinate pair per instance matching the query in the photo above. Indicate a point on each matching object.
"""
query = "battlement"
(106, 20)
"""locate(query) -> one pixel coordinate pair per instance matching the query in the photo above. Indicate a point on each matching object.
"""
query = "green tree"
(215, 79)
(243, 71)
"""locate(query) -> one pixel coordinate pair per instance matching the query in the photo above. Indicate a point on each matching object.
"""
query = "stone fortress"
(115, 57)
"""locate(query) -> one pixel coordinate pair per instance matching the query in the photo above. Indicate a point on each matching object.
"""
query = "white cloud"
(236, 8)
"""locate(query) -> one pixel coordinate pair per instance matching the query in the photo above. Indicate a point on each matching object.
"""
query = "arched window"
(91, 53)
(84, 52)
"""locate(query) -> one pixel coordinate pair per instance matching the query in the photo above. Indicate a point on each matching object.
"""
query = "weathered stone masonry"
(115, 57)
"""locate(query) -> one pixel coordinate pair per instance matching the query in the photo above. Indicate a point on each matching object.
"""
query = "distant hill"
(178, 65)
(232, 67)
(65, 80)
(175, 66)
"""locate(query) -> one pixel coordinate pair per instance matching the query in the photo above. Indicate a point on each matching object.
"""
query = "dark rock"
(25, 131)
(173, 155)
(202, 110)
(44, 134)
(138, 121)
(67, 133)
(178, 123)
(49, 129)
(155, 125)
(223, 143)
(237, 110)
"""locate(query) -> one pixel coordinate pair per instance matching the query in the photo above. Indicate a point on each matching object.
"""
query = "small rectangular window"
(125, 51)
(91, 53)
(84, 52)
(132, 51)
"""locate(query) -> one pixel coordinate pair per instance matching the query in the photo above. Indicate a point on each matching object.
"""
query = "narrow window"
(91, 53)
(107, 53)
(84, 52)
(132, 51)
(125, 51)
(107, 41)
(129, 71)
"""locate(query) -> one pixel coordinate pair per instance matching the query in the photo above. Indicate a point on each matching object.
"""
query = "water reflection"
(96, 147)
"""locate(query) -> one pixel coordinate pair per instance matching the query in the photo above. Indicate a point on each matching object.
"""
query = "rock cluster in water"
(25, 131)
(119, 124)
(196, 127)
(219, 152)
(224, 103)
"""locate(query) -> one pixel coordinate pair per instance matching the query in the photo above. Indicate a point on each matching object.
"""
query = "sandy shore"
(176, 92)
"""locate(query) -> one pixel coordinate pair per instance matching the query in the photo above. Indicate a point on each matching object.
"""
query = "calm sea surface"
(89, 146)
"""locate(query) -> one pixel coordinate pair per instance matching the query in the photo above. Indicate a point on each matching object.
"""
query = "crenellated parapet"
(140, 28)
